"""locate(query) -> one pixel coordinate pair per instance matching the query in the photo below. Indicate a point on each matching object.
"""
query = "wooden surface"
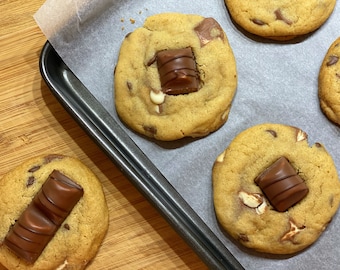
(32, 122)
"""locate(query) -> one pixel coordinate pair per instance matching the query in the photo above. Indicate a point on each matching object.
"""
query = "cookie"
(175, 77)
(280, 20)
(329, 83)
(53, 214)
(272, 192)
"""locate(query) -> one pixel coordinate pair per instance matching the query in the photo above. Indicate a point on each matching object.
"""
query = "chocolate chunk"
(279, 16)
(243, 237)
(150, 129)
(34, 168)
(30, 181)
(52, 157)
(129, 86)
(281, 185)
(128, 34)
(272, 132)
(258, 22)
(177, 71)
(332, 60)
(208, 30)
(318, 145)
(44, 215)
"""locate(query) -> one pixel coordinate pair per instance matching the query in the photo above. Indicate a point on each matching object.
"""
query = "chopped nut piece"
(294, 230)
(253, 200)
(301, 135)
(261, 208)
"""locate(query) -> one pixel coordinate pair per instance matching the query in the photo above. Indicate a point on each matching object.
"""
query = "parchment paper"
(277, 83)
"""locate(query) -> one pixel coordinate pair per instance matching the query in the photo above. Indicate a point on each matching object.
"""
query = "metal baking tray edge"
(142, 173)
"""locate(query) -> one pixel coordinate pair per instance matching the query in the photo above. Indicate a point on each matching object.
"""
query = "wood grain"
(32, 122)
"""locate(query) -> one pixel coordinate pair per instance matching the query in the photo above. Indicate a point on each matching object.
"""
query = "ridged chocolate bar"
(281, 185)
(42, 218)
(177, 71)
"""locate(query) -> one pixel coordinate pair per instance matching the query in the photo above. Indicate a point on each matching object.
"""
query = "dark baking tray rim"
(125, 154)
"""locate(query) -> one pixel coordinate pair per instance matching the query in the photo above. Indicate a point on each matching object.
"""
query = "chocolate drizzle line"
(44, 215)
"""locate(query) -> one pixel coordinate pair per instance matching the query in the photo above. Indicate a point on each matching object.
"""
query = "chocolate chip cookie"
(273, 192)
(53, 214)
(329, 83)
(280, 20)
(175, 77)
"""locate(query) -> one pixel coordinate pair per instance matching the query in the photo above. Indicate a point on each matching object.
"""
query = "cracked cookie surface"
(329, 83)
(78, 238)
(280, 20)
(243, 209)
(141, 100)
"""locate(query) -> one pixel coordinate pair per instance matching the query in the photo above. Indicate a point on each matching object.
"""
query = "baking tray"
(121, 149)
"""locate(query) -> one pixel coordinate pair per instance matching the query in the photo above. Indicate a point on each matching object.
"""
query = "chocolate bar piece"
(177, 71)
(42, 218)
(208, 30)
(281, 185)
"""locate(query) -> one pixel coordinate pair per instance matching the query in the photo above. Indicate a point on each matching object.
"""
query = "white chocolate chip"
(157, 97)
(253, 200)
(250, 200)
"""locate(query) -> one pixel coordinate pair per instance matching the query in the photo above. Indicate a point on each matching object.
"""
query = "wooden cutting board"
(32, 122)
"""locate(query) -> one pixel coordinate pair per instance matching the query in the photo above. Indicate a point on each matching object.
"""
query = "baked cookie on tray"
(282, 19)
(175, 77)
(53, 214)
(329, 83)
(273, 192)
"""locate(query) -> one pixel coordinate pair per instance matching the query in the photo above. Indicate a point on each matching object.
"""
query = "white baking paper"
(277, 83)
